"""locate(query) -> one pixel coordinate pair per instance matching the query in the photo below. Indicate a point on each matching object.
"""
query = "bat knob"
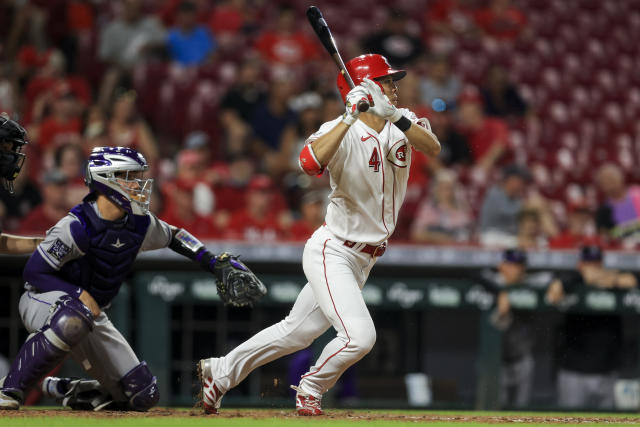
(363, 106)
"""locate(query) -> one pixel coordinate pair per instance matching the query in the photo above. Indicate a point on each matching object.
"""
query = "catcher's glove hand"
(237, 285)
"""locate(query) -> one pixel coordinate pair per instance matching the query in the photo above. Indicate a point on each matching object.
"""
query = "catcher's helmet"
(12, 139)
(110, 172)
(371, 66)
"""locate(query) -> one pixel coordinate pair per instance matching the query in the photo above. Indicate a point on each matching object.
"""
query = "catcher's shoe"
(307, 404)
(212, 392)
(8, 401)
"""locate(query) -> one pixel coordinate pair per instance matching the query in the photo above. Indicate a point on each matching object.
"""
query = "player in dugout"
(77, 271)
(367, 156)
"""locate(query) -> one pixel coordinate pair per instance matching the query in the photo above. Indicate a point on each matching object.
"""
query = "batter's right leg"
(304, 323)
(69, 323)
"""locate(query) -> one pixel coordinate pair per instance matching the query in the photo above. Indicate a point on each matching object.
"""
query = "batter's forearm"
(325, 147)
(423, 140)
(10, 244)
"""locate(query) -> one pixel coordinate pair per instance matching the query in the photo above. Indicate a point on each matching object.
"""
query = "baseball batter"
(74, 275)
(368, 157)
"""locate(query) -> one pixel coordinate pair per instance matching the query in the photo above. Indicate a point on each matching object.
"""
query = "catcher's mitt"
(237, 285)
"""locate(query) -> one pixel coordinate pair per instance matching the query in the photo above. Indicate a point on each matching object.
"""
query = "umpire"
(517, 366)
(591, 344)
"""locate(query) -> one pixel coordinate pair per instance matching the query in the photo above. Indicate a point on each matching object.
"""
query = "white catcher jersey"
(368, 175)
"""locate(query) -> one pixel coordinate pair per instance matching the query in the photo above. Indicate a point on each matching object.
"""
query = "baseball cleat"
(307, 404)
(8, 402)
(211, 393)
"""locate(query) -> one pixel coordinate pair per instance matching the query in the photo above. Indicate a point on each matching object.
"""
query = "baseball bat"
(323, 32)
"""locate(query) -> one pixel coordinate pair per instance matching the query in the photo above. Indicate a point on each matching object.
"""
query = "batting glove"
(381, 105)
(355, 95)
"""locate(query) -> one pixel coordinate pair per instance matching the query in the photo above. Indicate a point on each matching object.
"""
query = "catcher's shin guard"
(69, 324)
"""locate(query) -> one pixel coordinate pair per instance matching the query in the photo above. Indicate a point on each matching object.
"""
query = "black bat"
(321, 28)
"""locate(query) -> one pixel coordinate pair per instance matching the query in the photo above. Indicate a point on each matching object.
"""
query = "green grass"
(78, 420)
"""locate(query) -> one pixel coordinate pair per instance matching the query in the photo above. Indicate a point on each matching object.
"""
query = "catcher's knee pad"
(141, 388)
(70, 322)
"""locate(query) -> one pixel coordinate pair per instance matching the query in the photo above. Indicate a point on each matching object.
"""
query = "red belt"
(372, 250)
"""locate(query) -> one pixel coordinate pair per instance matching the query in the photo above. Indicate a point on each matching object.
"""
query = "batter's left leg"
(337, 289)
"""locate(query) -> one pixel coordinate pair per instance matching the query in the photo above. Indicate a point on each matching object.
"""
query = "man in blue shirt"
(189, 43)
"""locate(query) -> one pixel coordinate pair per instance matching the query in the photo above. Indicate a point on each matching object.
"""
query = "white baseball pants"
(332, 297)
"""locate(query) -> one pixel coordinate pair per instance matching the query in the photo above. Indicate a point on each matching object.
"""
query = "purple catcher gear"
(140, 387)
(69, 324)
(109, 172)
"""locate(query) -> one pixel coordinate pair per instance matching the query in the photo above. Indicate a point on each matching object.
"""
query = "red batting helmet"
(371, 66)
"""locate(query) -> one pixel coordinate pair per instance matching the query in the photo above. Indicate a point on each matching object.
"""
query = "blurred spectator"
(9, 96)
(64, 124)
(70, 160)
(54, 205)
(501, 97)
(591, 349)
(487, 137)
(450, 18)
(96, 135)
(190, 43)
(441, 83)
(230, 17)
(580, 230)
(286, 43)
(168, 12)
(444, 217)
(125, 42)
(501, 20)
(238, 104)
(455, 149)
(230, 191)
(312, 209)
(50, 77)
(618, 217)
(180, 210)
(273, 123)
(126, 39)
(192, 170)
(500, 208)
(307, 106)
(518, 336)
(259, 221)
(395, 42)
(127, 129)
(530, 233)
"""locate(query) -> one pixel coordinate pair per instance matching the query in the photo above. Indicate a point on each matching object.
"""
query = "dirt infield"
(356, 415)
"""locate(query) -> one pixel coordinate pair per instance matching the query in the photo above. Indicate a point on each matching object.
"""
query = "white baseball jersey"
(369, 174)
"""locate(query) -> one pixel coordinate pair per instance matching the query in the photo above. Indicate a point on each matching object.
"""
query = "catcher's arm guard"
(236, 284)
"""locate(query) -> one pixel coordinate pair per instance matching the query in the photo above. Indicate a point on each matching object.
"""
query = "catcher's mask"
(117, 173)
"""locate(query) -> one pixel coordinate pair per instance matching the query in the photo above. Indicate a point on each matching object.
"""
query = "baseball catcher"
(77, 271)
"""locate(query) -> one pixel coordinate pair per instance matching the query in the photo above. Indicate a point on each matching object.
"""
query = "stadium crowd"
(535, 120)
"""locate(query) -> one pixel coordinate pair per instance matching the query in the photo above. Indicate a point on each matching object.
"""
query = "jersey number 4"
(374, 160)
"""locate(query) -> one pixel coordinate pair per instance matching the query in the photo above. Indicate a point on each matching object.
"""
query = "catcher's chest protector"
(110, 249)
